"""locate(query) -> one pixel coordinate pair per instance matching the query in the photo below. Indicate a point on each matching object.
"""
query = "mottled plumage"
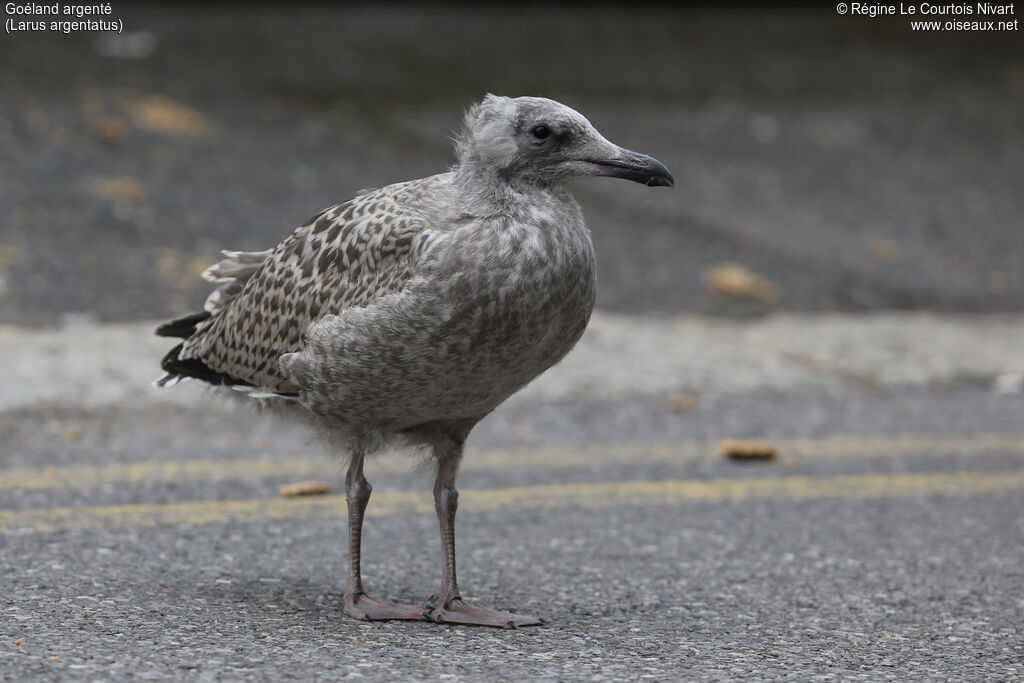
(348, 255)
(417, 308)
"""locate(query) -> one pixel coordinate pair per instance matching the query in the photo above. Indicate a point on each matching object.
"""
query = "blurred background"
(823, 162)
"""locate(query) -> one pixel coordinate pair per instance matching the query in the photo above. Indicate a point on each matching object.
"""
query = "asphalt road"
(143, 533)
(884, 543)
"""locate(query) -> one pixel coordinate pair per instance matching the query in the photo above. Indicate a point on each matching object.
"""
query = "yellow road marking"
(81, 476)
(592, 495)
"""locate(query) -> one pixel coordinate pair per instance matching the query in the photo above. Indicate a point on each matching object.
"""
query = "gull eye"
(541, 132)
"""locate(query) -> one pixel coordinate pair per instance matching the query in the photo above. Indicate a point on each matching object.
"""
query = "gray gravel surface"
(897, 590)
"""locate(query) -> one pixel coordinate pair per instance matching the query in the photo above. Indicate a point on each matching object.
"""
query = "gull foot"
(361, 606)
(459, 612)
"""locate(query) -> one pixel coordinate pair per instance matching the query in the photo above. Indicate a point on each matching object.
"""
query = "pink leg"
(448, 606)
(357, 603)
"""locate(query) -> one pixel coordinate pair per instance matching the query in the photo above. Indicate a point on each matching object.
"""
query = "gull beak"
(637, 167)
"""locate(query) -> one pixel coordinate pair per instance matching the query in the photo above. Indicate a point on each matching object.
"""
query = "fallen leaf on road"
(160, 114)
(110, 129)
(736, 281)
(10, 253)
(305, 488)
(122, 189)
(179, 267)
(681, 403)
(882, 248)
(742, 449)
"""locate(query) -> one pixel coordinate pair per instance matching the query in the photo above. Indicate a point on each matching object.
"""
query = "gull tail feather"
(232, 272)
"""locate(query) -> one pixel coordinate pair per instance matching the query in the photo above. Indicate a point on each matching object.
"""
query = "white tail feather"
(256, 392)
(233, 271)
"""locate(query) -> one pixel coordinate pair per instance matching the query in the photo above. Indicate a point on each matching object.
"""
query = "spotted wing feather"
(348, 255)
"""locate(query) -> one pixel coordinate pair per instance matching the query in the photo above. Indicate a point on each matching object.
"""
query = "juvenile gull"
(410, 312)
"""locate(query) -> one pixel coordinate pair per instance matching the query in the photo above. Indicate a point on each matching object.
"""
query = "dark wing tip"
(193, 367)
(183, 327)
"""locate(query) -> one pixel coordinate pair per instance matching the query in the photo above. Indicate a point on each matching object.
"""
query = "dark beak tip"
(639, 168)
(661, 176)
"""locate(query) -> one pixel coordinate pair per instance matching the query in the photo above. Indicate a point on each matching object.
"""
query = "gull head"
(534, 140)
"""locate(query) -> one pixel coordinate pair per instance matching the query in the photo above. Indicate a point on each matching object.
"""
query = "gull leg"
(357, 603)
(448, 606)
